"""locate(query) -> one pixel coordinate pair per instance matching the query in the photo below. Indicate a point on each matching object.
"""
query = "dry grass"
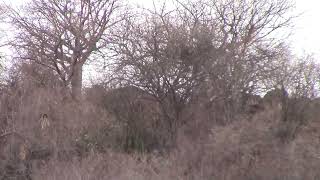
(242, 150)
(84, 144)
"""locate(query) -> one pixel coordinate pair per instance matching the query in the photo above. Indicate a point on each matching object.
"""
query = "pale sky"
(306, 33)
(304, 38)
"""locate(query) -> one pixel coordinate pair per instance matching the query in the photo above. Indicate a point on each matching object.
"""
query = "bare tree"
(220, 48)
(62, 35)
(159, 56)
(304, 78)
(250, 50)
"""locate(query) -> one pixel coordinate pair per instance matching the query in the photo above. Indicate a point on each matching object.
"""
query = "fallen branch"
(6, 134)
(12, 133)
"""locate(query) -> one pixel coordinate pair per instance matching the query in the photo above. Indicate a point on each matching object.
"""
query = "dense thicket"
(193, 90)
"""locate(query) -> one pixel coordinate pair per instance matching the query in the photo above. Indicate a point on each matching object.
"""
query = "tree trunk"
(76, 82)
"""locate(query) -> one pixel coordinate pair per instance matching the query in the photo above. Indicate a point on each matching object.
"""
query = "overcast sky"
(306, 33)
(305, 36)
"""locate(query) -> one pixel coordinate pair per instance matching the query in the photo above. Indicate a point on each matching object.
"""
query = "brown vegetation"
(183, 99)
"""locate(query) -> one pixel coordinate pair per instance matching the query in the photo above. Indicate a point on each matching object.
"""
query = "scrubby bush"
(138, 115)
(181, 100)
(296, 114)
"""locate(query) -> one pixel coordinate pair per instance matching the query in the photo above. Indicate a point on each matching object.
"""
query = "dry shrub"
(25, 101)
(13, 157)
(140, 126)
(241, 150)
(248, 150)
(108, 165)
(295, 114)
(84, 138)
